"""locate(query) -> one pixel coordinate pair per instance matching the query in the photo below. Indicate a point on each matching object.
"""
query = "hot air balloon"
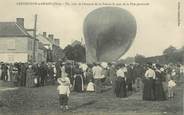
(109, 33)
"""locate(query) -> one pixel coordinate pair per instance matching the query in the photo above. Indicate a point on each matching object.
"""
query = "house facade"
(16, 44)
(54, 52)
(41, 54)
(16, 49)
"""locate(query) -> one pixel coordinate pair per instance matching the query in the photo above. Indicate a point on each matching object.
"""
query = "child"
(90, 86)
(64, 91)
(171, 85)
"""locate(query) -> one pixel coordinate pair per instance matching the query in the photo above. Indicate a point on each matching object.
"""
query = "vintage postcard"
(91, 57)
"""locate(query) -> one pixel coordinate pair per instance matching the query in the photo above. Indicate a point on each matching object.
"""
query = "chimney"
(44, 34)
(51, 37)
(20, 21)
(56, 42)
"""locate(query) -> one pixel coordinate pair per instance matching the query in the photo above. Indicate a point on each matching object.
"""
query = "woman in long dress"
(50, 75)
(78, 83)
(159, 90)
(30, 77)
(23, 75)
(4, 75)
(15, 75)
(120, 88)
(10, 69)
(148, 90)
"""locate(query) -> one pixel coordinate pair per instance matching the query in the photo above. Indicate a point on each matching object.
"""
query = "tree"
(169, 50)
(140, 58)
(68, 50)
(76, 53)
(129, 60)
(182, 48)
(79, 53)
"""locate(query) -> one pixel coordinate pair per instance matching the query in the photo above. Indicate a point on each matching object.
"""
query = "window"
(31, 45)
(11, 44)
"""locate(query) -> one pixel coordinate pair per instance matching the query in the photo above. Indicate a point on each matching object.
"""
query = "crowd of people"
(156, 81)
(27, 74)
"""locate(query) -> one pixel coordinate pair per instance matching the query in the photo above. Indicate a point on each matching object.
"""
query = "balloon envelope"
(109, 33)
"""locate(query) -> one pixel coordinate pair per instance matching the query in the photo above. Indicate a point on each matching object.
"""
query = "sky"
(157, 23)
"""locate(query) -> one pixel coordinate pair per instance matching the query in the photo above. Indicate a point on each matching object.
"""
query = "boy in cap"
(64, 91)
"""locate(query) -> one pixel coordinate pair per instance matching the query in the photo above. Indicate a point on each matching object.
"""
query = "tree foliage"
(170, 55)
(140, 58)
(76, 53)
(169, 50)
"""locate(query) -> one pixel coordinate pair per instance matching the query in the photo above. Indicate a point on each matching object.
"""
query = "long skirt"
(30, 79)
(98, 85)
(4, 76)
(159, 91)
(129, 85)
(113, 85)
(120, 87)
(78, 83)
(165, 87)
(89, 78)
(148, 90)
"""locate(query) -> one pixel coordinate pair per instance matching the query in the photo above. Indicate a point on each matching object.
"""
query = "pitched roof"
(41, 46)
(12, 29)
(45, 40)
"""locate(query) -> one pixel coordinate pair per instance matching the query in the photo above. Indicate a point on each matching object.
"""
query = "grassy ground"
(44, 101)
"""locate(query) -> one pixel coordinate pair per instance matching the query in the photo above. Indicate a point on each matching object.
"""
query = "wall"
(13, 44)
(45, 41)
(15, 49)
(13, 57)
(41, 56)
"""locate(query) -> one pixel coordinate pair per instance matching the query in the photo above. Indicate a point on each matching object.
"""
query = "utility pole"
(34, 39)
(97, 50)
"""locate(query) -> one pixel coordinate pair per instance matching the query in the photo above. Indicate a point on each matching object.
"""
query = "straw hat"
(61, 80)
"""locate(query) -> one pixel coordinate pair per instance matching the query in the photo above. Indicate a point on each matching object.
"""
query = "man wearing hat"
(97, 75)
